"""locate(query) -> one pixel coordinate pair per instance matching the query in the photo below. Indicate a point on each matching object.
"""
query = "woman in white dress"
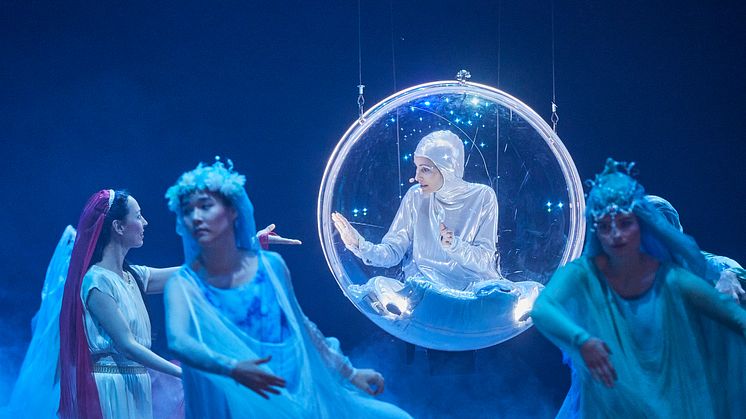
(104, 326)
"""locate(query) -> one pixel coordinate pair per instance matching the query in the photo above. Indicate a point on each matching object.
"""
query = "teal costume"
(678, 349)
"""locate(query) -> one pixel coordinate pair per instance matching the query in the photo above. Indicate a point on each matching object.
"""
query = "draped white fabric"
(37, 391)
(122, 394)
(128, 299)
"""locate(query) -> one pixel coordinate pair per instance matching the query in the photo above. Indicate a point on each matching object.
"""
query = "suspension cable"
(497, 108)
(555, 116)
(499, 30)
(393, 43)
(360, 86)
(393, 73)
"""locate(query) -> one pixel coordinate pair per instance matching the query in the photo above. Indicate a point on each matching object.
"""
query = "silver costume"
(468, 209)
(455, 290)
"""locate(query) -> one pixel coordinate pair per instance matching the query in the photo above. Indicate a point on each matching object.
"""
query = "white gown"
(123, 385)
(36, 393)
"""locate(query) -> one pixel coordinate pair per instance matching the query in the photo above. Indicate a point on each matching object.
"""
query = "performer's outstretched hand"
(251, 375)
(446, 236)
(728, 284)
(267, 235)
(596, 353)
(347, 232)
(370, 381)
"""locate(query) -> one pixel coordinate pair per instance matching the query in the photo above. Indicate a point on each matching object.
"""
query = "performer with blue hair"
(645, 333)
(234, 321)
(725, 273)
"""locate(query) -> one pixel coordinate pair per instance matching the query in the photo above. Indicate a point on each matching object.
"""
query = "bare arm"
(104, 310)
(158, 278)
(274, 238)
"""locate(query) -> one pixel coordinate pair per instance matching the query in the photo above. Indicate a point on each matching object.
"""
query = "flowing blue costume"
(678, 348)
(211, 329)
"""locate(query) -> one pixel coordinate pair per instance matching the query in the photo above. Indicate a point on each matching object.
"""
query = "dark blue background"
(130, 94)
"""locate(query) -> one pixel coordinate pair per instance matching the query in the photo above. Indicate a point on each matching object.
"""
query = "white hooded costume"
(466, 271)
(468, 209)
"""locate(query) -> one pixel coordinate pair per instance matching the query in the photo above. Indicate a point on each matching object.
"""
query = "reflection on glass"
(476, 288)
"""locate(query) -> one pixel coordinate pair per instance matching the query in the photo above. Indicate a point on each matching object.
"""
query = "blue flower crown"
(215, 178)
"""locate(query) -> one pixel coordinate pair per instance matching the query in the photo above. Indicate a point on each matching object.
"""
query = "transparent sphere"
(508, 147)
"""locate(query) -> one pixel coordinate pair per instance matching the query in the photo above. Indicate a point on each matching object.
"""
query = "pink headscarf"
(78, 392)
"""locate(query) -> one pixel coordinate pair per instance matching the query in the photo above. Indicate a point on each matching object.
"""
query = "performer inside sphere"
(444, 232)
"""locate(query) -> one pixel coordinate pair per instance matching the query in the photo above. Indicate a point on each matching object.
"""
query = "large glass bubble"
(507, 147)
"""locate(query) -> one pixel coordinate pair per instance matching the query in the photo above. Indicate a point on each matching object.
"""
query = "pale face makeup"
(427, 175)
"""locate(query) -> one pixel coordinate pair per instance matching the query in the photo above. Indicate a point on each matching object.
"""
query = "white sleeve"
(144, 273)
(396, 242)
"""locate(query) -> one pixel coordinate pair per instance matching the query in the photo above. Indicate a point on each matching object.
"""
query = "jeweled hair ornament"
(613, 191)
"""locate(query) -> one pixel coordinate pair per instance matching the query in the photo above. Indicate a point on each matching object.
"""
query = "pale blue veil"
(36, 393)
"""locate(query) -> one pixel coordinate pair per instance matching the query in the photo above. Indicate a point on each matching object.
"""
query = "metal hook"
(463, 76)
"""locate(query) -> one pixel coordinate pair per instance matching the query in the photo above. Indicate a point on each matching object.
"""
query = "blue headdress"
(615, 191)
(225, 181)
